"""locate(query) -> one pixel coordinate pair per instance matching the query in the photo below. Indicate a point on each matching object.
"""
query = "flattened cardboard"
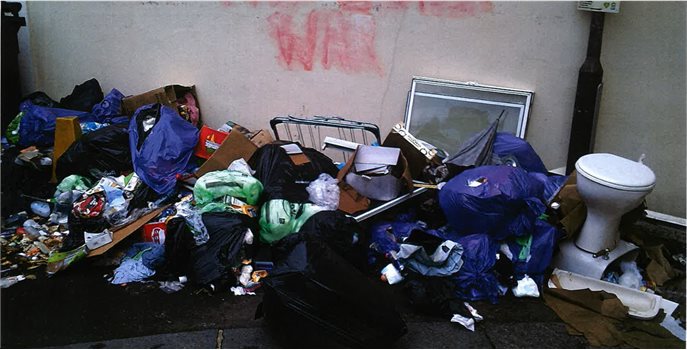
(67, 131)
(235, 146)
(261, 138)
(119, 235)
(166, 95)
(573, 210)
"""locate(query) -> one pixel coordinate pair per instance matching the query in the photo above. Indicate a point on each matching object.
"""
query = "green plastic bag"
(217, 184)
(279, 218)
(74, 182)
(12, 132)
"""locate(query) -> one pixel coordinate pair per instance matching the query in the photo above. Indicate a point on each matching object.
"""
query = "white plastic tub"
(641, 305)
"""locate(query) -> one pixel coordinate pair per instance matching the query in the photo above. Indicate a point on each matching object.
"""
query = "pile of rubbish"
(235, 211)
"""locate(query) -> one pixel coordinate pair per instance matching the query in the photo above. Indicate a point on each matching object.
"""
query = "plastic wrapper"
(324, 191)
(194, 221)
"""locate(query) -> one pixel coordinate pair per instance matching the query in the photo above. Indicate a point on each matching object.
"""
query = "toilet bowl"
(610, 186)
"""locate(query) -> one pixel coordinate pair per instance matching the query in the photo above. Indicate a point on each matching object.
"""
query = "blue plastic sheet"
(476, 279)
(499, 200)
(165, 151)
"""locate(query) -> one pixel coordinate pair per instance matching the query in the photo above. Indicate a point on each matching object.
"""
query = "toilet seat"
(616, 172)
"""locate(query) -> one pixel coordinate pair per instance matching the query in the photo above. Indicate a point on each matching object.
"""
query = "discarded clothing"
(139, 263)
(430, 255)
(601, 318)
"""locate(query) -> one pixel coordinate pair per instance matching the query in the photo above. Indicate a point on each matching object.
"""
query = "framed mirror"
(446, 113)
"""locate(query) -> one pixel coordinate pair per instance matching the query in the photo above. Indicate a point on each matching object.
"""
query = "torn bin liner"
(330, 304)
(161, 144)
(498, 199)
(514, 151)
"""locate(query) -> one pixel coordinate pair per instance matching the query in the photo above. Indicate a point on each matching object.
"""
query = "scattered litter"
(466, 322)
(240, 291)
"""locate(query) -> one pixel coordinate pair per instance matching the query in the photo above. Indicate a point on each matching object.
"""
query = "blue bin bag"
(552, 183)
(166, 150)
(476, 279)
(110, 106)
(514, 150)
(37, 126)
(385, 236)
(500, 200)
(533, 259)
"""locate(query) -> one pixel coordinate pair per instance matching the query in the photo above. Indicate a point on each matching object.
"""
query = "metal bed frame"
(337, 133)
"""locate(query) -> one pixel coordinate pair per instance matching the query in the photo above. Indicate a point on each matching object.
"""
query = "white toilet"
(610, 186)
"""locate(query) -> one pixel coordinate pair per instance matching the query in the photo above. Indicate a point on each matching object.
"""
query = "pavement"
(78, 308)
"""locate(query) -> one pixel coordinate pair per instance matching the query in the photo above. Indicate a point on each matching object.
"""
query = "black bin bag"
(103, 151)
(329, 304)
(281, 178)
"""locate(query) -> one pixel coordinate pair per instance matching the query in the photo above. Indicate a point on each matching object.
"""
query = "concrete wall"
(253, 61)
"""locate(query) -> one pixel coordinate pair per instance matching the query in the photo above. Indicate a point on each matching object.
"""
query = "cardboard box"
(67, 131)
(417, 155)
(209, 141)
(235, 146)
(154, 232)
(166, 95)
(121, 233)
(380, 187)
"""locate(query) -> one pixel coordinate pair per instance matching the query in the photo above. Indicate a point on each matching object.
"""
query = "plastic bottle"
(32, 228)
(9, 281)
(41, 209)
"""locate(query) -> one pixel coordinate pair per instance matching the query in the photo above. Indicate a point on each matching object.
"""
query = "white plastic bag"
(631, 276)
(324, 192)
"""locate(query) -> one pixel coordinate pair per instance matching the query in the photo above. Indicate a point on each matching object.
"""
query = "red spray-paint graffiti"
(448, 9)
(341, 40)
(291, 45)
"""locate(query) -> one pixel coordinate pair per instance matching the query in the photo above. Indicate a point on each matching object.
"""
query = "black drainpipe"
(587, 97)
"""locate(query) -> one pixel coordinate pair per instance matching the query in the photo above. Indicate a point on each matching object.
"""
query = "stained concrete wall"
(253, 61)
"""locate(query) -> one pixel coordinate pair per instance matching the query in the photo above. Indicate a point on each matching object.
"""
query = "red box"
(154, 232)
(209, 141)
